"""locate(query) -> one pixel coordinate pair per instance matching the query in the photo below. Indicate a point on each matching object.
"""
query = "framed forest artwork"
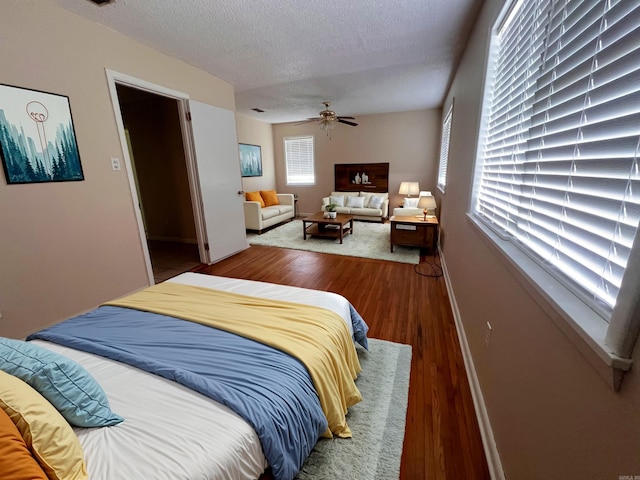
(37, 138)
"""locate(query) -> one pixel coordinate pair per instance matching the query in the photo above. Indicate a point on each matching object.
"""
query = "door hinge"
(188, 116)
(206, 247)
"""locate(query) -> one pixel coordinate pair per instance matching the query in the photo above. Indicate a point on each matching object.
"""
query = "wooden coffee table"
(318, 226)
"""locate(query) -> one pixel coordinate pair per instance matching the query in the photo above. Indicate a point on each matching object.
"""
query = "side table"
(413, 231)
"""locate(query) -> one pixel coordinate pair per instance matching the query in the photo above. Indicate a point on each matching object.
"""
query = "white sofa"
(258, 218)
(410, 208)
(362, 205)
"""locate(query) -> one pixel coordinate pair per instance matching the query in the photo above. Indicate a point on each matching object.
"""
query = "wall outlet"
(115, 163)
(487, 334)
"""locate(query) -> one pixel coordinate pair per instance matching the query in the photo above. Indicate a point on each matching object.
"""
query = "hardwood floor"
(442, 439)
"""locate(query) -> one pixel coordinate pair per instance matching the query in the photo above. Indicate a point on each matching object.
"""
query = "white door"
(218, 171)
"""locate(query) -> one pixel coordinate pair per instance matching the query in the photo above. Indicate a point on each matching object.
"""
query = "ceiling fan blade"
(348, 123)
(348, 118)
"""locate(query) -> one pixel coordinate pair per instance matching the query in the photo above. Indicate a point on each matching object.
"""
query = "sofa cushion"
(376, 201)
(346, 194)
(269, 212)
(284, 208)
(368, 212)
(367, 197)
(407, 212)
(255, 197)
(356, 202)
(270, 198)
(337, 200)
(411, 202)
(345, 210)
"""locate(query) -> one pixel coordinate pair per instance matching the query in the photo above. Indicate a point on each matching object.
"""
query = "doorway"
(159, 167)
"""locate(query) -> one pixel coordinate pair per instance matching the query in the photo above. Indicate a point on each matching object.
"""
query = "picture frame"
(37, 137)
(250, 160)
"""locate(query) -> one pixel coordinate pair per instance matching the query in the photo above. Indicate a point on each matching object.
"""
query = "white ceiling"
(288, 56)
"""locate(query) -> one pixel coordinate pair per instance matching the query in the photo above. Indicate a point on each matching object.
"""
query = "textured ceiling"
(288, 56)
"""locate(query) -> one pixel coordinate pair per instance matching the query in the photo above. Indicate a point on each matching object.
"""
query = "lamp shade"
(427, 202)
(409, 188)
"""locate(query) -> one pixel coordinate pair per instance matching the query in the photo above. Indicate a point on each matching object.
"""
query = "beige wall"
(65, 247)
(408, 141)
(552, 414)
(255, 132)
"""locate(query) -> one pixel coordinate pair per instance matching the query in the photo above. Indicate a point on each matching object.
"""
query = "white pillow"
(367, 197)
(411, 202)
(355, 202)
(339, 200)
(376, 201)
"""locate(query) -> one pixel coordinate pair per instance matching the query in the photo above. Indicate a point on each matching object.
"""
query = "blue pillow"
(67, 385)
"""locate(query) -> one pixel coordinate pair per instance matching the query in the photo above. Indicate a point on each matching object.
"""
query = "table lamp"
(409, 188)
(426, 203)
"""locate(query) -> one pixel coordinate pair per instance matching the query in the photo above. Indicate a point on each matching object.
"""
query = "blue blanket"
(270, 389)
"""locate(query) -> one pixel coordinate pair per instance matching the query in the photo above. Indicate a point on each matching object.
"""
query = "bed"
(157, 380)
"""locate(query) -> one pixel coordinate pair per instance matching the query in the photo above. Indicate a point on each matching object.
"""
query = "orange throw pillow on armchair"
(255, 197)
(270, 198)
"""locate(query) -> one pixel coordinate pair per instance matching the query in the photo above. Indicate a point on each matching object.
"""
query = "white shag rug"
(368, 240)
(377, 423)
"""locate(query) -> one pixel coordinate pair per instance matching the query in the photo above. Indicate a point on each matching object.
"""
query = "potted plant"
(330, 211)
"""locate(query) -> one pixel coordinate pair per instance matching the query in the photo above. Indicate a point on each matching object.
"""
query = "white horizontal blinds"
(577, 209)
(444, 150)
(518, 58)
(584, 143)
(299, 160)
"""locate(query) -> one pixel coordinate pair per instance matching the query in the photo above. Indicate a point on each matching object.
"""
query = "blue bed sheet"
(270, 389)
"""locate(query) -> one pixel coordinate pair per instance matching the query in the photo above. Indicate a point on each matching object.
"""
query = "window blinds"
(559, 161)
(444, 151)
(299, 160)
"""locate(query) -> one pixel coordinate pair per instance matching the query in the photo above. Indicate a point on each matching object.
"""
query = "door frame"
(114, 78)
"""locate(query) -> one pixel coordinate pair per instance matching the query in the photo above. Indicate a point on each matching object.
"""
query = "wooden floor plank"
(442, 439)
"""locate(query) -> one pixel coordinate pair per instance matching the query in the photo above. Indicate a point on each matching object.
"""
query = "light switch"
(487, 334)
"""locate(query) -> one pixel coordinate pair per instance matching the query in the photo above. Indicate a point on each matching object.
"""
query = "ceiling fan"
(327, 119)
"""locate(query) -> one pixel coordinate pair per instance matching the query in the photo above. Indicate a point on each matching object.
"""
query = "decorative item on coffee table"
(330, 211)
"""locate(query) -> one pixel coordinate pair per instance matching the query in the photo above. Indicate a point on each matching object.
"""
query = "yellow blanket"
(316, 336)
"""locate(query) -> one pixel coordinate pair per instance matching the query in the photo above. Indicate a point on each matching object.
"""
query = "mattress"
(171, 431)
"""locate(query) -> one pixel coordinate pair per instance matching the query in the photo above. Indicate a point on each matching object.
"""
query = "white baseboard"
(488, 441)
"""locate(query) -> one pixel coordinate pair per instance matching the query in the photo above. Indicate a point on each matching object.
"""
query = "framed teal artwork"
(250, 160)
(37, 137)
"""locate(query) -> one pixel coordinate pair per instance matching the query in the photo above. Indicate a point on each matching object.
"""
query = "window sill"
(584, 328)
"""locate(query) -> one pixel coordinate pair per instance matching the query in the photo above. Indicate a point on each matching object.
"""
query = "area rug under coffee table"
(369, 240)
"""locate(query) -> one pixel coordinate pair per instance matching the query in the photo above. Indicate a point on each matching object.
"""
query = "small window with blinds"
(299, 160)
(558, 159)
(444, 151)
